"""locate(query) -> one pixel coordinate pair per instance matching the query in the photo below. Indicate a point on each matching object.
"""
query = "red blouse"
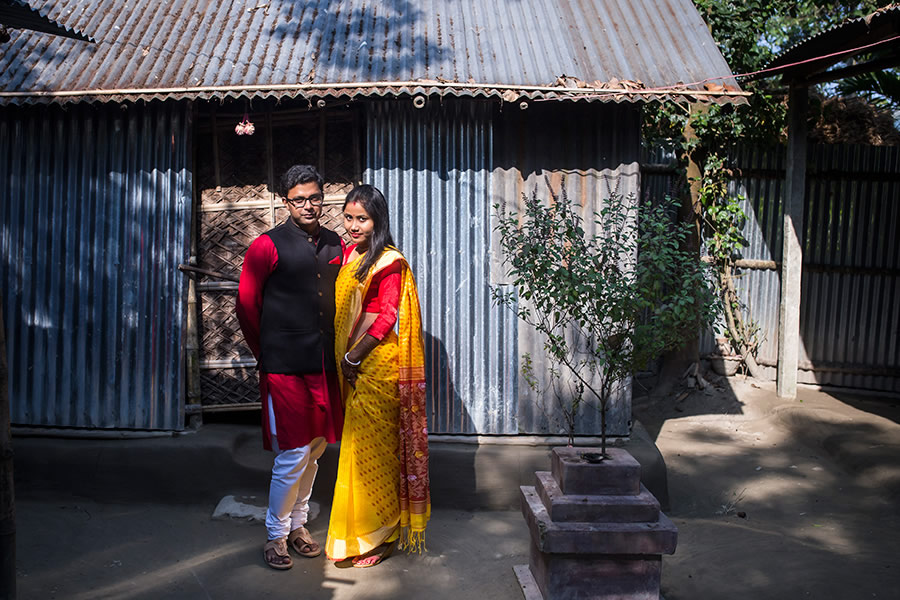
(383, 297)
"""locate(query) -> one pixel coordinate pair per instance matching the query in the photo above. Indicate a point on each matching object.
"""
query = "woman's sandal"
(303, 543)
(279, 557)
(373, 558)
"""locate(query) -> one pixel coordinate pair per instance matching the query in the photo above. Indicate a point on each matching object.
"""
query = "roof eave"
(427, 88)
(15, 15)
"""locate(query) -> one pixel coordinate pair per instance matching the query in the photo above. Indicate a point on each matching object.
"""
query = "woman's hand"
(353, 359)
(350, 371)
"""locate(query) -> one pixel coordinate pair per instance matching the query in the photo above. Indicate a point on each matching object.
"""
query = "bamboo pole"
(7, 490)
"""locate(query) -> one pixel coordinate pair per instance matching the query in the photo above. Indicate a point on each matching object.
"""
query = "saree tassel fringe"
(412, 541)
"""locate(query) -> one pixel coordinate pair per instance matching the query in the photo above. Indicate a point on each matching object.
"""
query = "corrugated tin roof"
(529, 49)
(17, 14)
(875, 32)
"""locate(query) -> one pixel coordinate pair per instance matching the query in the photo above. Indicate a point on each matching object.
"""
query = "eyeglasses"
(300, 201)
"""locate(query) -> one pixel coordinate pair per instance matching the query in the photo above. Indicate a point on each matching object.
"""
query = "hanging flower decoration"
(245, 127)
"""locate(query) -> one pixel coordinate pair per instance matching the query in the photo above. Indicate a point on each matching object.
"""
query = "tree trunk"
(7, 499)
(736, 326)
(676, 362)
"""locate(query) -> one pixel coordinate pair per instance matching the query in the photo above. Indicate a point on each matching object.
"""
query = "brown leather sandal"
(278, 547)
(303, 543)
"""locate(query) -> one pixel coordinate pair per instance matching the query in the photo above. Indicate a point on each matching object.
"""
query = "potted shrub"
(606, 303)
(723, 360)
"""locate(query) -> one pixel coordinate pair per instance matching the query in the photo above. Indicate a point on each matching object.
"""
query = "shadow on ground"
(779, 499)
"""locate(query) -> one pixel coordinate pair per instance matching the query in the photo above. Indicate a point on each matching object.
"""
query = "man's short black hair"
(296, 175)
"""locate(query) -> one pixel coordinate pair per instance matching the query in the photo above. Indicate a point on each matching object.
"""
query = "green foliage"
(750, 33)
(793, 22)
(723, 224)
(880, 88)
(606, 301)
(723, 216)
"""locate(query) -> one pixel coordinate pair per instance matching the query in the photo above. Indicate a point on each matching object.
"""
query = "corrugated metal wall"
(443, 168)
(850, 297)
(434, 167)
(760, 290)
(594, 150)
(95, 205)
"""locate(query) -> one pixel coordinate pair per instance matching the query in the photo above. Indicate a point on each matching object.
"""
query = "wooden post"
(357, 151)
(192, 322)
(7, 494)
(323, 121)
(792, 246)
(270, 165)
(215, 146)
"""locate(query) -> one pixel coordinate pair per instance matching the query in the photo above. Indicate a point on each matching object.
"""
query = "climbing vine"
(723, 223)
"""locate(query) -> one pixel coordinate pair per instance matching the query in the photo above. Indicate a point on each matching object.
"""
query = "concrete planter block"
(653, 537)
(596, 532)
(619, 509)
(620, 474)
(583, 577)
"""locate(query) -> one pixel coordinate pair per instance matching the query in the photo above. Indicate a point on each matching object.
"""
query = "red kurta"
(306, 406)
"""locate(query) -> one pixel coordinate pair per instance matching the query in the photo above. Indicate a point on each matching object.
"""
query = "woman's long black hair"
(373, 202)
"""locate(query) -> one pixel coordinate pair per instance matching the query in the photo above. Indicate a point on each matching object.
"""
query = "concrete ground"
(780, 499)
(772, 499)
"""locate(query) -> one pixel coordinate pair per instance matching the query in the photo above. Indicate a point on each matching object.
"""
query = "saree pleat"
(382, 487)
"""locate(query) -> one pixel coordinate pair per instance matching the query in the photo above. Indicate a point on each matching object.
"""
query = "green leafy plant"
(606, 302)
(723, 220)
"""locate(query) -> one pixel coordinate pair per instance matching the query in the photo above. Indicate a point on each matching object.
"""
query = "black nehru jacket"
(297, 325)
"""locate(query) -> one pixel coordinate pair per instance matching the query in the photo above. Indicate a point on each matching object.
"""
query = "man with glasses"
(285, 306)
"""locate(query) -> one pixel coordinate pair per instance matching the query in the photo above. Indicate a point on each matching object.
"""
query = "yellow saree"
(382, 487)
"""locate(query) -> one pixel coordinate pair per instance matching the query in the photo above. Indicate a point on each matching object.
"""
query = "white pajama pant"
(293, 474)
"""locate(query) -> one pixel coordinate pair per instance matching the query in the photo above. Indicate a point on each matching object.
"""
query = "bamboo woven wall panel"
(230, 387)
(243, 159)
(340, 160)
(295, 144)
(235, 195)
(333, 219)
(225, 237)
(220, 332)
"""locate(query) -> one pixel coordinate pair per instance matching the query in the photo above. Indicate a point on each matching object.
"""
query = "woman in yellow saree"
(381, 495)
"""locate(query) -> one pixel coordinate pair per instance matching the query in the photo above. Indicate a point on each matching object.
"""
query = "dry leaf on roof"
(569, 82)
